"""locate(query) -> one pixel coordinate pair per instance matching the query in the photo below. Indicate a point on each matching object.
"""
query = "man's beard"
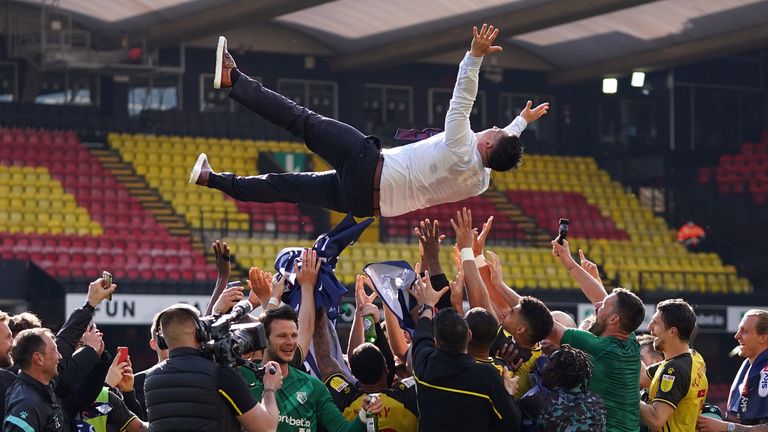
(658, 345)
(6, 361)
(597, 328)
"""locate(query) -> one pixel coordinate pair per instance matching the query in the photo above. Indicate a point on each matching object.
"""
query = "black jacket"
(181, 395)
(32, 404)
(457, 394)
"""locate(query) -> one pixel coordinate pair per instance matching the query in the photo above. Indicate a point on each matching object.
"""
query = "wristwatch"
(731, 427)
(426, 307)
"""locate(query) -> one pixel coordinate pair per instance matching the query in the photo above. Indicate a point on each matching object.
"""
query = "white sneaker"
(198, 168)
(220, 47)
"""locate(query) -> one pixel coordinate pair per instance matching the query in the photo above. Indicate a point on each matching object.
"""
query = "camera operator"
(192, 393)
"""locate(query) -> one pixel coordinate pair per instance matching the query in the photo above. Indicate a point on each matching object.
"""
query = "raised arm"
(477, 294)
(224, 269)
(457, 127)
(322, 343)
(590, 286)
(363, 306)
(527, 116)
(497, 284)
(307, 279)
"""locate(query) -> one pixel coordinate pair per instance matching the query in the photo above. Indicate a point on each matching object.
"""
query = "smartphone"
(563, 230)
(246, 290)
(122, 354)
(107, 276)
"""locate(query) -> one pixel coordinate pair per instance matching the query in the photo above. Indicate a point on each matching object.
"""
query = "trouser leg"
(319, 189)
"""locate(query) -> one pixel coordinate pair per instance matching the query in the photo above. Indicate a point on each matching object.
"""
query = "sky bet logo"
(763, 390)
(302, 423)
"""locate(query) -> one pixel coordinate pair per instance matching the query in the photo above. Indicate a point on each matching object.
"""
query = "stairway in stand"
(153, 201)
(534, 236)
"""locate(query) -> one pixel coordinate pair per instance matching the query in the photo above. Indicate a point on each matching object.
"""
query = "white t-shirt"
(443, 168)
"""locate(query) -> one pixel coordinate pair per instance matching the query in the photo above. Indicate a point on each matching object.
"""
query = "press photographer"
(191, 391)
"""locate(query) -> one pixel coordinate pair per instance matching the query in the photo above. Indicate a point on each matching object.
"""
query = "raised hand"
(589, 266)
(94, 339)
(463, 228)
(478, 242)
(510, 383)
(563, 253)
(260, 284)
(531, 115)
(428, 233)
(228, 299)
(482, 41)
(423, 292)
(361, 297)
(457, 292)
(221, 252)
(126, 383)
(310, 268)
(494, 265)
(98, 291)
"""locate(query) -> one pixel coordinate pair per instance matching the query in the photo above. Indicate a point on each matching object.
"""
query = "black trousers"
(347, 189)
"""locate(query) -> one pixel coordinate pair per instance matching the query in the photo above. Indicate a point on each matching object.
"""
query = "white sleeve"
(457, 127)
(517, 126)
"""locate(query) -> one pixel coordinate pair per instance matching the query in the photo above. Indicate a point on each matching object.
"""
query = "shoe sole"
(197, 169)
(219, 62)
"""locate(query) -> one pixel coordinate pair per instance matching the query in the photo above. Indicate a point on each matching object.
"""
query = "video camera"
(227, 341)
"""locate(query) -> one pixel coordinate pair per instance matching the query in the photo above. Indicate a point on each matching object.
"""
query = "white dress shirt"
(443, 168)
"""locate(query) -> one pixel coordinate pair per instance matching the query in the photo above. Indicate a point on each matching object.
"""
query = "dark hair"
(154, 329)
(679, 314)
(24, 321)
(28, 342)
(451, 331)
(507, 153)
(630, 309)
(282, 313)
(367, 363)
(483, 327)
(537, 318)
(570, 368)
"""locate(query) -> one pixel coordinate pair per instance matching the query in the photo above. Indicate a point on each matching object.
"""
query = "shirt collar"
(185, 351)
(37, 385)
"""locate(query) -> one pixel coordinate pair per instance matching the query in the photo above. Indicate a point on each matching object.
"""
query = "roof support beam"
(670, 56)
(534, 18)
(220, 19)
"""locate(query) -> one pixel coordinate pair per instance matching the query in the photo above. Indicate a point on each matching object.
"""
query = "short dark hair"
(173, 317)
(538, 318)
(367, 363)
(28, 342)
(23, 321)
(679, 314)
(483, 326)
(284, 312)
(506, 154)
(451, 330)
(570, 367)
(630, 309)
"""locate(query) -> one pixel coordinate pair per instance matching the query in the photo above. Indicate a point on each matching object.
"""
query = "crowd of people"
(507, 363)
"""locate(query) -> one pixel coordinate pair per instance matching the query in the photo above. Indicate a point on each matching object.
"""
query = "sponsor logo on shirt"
(338, 384)
(763, 385)
(666, 382)
(301, 397)
(304, 423)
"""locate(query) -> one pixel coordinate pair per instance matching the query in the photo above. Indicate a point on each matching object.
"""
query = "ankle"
(234, 75)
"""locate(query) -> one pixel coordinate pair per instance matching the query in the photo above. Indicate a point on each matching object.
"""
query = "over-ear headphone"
(199, 331)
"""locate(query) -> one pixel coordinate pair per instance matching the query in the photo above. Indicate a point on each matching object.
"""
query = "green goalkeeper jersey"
(304, 403)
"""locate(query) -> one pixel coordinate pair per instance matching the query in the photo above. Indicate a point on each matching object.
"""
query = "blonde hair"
(761, 326)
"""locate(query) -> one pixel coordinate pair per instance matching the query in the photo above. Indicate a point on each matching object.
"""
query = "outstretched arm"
(307, 278)
(457, 127)
(477, 294)
(363, 306)
(591, 288)
(223, 267)
(527, 116)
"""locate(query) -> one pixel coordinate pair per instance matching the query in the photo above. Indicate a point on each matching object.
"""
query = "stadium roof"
(571, 39)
